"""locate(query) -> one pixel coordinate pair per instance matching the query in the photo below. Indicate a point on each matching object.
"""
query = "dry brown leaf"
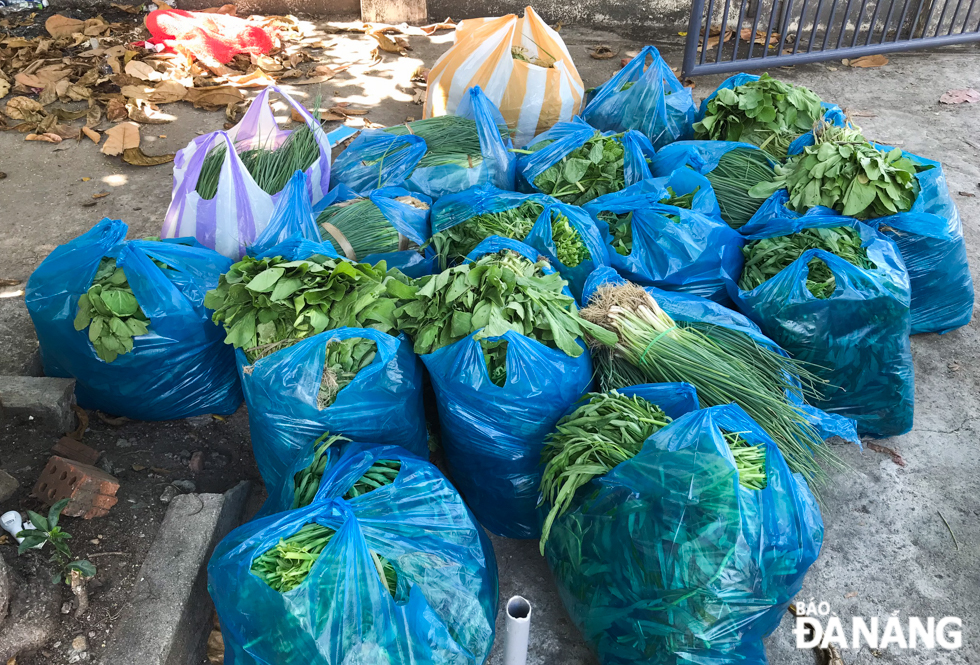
(968, 95)
(216, 648)
(116, 110)
(214, 98)
(256, 79)
(114, 64)
(78, 93)
(28, 80)
(231, 10)
(22, 108)
(62, 26)
(448, 24)
(147, 113)
(268, 64)
(760, 36)
(419, 97)
(4, 88)
(17, 42)
(120, 138)
(290, 74)
(866, 61)
(89, 78)
(48, 137)
(385, 43)
(92, 134)
(602, 52)
(136, 157)
(100, 195)
(420, 75)
(164, 92)
(129, 9)
(142, 71)
(347, 110)
(93, 116)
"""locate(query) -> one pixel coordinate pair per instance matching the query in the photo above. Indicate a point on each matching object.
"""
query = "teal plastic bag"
(645, 95)
(445, 602)
(667, 559)
(378, 159)
(383, 403)
(673, 248)
(180, 368)
(930, 239)
(492, 435)
(857, 340)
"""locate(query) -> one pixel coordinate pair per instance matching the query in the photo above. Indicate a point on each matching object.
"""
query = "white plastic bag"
(531, 98)
(230, 222)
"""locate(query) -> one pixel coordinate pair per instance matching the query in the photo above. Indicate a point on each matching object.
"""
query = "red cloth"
(213, 38)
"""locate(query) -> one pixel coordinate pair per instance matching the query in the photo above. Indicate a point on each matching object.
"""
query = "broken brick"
(75, 450)
(91, 491)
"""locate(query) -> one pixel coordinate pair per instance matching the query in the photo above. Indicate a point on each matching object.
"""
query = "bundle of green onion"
(607, 430)
(344, 359)
(453, 244)
(722, 364)
(357, 228)
(765, 258)
(738, 171)
(621, 224)
(285, 566)
(271, 168)
(449, 140)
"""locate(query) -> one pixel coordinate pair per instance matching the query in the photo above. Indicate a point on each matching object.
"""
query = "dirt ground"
(885, 550)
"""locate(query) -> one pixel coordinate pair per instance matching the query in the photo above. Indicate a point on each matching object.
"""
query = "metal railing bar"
(952, 21)
(738, 28)
(813, 30)
(884, 31)
(942, 17)
(843, 24)
(817, 56)
(799, 27)
(755, 26)
(782, 32)
(915, 23)
(693, 29)
(830, 22)
(724, 29)
(857, 25)
(874, 22)
(901, 21)
(925, 26)
(772, 20)
(707, 30)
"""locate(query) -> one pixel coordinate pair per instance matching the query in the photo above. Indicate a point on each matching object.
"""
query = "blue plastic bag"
(378, 159)
(686, 307)
(657, 104)
(457, 208)
(341, 614)
(857, 339)
(383, 403)
(833, 114)
(930, 238)
(697, 254)
(410, 221)
(668, 559)
(493, 436)
(180, 368)
(292, 220)
(566, 137)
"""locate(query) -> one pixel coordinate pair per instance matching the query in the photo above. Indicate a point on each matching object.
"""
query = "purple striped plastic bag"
(238, 213)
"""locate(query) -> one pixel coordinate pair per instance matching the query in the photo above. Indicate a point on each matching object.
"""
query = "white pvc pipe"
(518, 628)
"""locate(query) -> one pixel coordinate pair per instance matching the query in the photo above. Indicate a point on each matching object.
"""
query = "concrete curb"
(45, 399)
(168, 616)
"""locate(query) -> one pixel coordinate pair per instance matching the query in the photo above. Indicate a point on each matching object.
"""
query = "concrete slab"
(44, 401)
(168, 617)
(17, 337)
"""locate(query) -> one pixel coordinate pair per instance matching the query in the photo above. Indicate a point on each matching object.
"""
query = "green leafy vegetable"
(767, 113)
(724, 366)
(606, 430)
(357, 228)
(569, 246)
(306, 481)
(845, 172)
(765, 258)
(750, 460)
(344, 359)
(621, 224)
(595, 168)
(497, 293)
(495, 356)
(453, 244)
(739, 171)
(268, 304)
(110, 311)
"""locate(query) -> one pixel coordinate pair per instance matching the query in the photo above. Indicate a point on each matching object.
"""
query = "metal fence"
(728, 36)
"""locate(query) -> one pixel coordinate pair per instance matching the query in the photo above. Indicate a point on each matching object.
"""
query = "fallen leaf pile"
(98, 73)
